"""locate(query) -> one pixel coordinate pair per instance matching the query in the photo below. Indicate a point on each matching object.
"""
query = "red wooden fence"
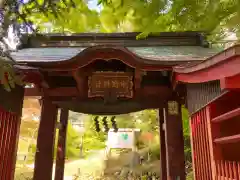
(227, 170)
(9, 125)
(200, 146)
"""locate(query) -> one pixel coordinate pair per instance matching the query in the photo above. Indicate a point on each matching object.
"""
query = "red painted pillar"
(10, 120)
(45, 141)
(61, 148)
(9, 127)
(174, 141)
(163, 165)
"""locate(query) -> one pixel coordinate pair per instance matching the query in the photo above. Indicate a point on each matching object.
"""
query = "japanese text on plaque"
(111, 84)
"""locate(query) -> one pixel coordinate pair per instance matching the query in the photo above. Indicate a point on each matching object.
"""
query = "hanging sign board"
(124, 140)
(101, 82)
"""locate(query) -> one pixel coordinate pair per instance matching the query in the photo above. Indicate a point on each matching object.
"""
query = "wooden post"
(61, 148)
(174, 141)
(45, 141)
(213, 132)
(191, 127)
(163, 165)
(10, 120)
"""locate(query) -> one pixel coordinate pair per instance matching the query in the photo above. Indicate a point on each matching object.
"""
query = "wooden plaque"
(120, 83)
(172, 108)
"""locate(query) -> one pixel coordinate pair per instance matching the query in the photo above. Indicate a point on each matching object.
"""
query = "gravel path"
(83, 169)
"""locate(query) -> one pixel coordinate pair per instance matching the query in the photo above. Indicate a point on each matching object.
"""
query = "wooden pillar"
(10, 120)
(45, 141)
(174, 141)
(213, 132)
(61, 148)
(163, 165)
(191, 128)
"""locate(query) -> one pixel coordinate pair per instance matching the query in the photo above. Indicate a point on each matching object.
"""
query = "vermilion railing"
(9, 124)
(227, 170)
(200, 146)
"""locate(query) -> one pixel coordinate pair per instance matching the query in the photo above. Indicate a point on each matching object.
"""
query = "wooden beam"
(63, 91)
(158, 91)
(230, 83)
(227, 116)
(32, 92)
(53, 92)
(61, 148)
(59, 73)
(97, 107)
(116, 39)
(174, 141)
(227, 68)
(228, 139)
(45, 141)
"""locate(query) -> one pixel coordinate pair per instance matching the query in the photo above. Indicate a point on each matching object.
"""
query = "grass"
(190, 176)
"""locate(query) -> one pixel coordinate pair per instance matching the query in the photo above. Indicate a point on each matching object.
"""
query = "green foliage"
(8, 77)
(72, 143)
(78, 18)
(155, 151)
(214, 17)
(186, 133)
(93, 140)
(146, 120)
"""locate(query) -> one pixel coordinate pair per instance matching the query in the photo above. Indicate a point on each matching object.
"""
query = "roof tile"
(158, 53)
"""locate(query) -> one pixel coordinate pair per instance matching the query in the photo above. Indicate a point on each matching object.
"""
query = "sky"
(93, 4)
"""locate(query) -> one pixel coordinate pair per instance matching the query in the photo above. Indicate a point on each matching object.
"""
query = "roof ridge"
(190, 38)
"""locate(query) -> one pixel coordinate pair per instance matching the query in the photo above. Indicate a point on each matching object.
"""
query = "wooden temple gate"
(115, 74)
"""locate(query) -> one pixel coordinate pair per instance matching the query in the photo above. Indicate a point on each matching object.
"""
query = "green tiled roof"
(157, 53)
(173, 53)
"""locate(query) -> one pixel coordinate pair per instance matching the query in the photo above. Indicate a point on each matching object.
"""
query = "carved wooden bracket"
(80, 82)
